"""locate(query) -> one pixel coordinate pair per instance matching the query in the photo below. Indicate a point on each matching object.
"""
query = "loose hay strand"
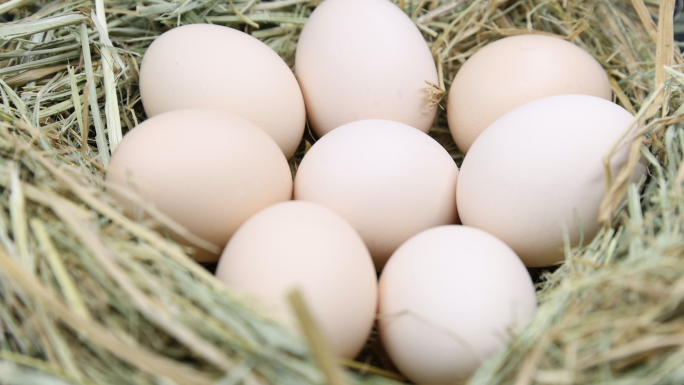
(321, 348)
(111, 104)
(664, 48)
(102, 147)
(135, 355)
(67, 285)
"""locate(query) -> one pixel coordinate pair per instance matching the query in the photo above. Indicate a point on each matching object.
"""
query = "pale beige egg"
(537, 173)
(305, 246)
(389, 180)
(208, 170)
(364, 59)
(210, 66)
(448, 298)
(513, 71)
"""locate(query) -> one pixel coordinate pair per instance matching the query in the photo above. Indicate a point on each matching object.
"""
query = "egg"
(538, 172)
(513, 71)
(305, 246)
(389, 180)
(447, 299)
(215, 67)
(364, 59)
(208, 170)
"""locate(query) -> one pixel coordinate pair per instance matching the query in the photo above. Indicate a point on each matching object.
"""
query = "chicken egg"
(364, 59)
(206, 169)
(305, 246)
(447, 299)
(215, 67)
(389, 180)
(513, 71)
(538, 172)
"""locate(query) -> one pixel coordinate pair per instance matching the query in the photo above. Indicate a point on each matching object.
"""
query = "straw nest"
(89, 296)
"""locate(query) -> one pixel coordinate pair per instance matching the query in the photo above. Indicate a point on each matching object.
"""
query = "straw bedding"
(89, 296)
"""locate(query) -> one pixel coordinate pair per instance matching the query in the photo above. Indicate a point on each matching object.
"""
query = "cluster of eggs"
(376, 193)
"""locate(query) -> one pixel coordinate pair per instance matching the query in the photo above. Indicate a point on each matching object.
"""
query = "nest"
(89, 296)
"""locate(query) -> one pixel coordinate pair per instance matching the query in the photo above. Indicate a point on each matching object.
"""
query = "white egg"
(447, 298)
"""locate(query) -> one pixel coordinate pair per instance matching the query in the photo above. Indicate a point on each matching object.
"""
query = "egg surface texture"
(364, 59)
(305, 246)
(539, 170)
(215, 67)
(206, 169)
(389, 180)
(513, 71)
(447, 299)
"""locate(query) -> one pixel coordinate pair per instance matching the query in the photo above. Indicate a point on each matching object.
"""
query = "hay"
(90, 296)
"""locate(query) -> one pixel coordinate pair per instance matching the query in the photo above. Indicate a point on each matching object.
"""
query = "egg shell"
(513, 71)
(389, 180)
(215, 67)
(305, 246)
(539, 171)
(364, 59)
(447, 299)
(206, 169)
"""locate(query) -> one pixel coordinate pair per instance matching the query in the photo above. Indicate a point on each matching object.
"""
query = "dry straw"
(90, 296)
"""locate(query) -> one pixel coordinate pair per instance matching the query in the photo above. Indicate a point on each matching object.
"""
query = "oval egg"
(447, 299)
(513, 71)
(364, 59)
(305, 246)
(215, 67)
(538, 172)
(389, 180)
(206, 169)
